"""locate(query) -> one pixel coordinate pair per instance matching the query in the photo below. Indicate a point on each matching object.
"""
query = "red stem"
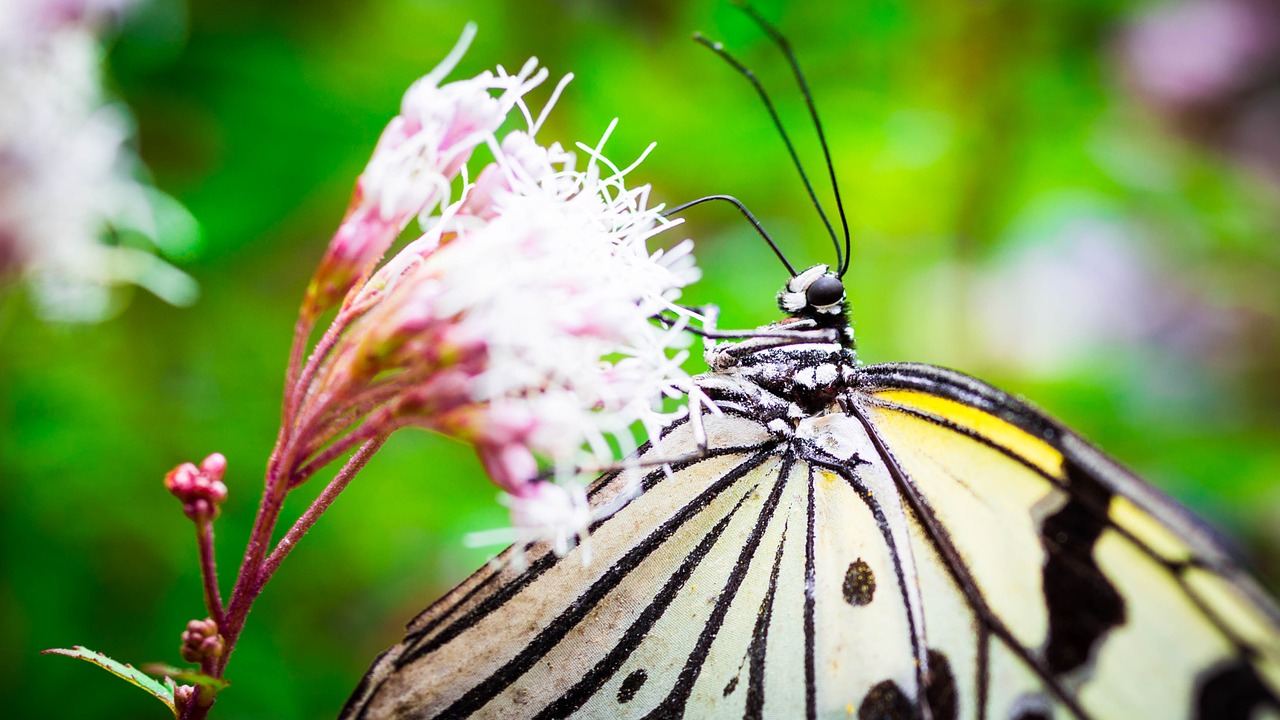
(322, 502)
(378, 426)
(209, 571)
(301, 332)
(247, 586)
(298, 390)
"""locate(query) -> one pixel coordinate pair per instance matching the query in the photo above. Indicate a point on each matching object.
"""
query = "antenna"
(745, 213)
(789, 54)
(743, 70)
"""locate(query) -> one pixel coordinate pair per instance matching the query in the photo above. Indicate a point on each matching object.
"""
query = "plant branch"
(247, 588)
(379, 425)
(209, 571)
(322, 502)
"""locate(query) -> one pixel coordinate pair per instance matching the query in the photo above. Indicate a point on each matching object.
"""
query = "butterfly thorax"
(796, 367)
(793, 369)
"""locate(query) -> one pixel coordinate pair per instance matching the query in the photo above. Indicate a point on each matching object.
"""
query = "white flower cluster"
(532, 296)
(65, 174)
(560, 286)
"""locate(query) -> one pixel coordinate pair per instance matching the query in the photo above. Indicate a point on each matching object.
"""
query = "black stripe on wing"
(756, 651)
(961, 388)
(938, 536)
(488, 688)
(1090, 479)
(1072, 573)
(421, 641)
(607, 668)
(810, 581)
(938, 688)
(674, 704)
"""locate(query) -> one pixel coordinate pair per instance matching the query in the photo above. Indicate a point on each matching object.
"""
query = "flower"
(66, 177)
(1209, 69)
(201, 641)
(200, 489)
(522, 320)
(419, 153)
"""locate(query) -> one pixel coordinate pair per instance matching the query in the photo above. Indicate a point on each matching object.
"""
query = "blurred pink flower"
(66, 176)
(1211, 68)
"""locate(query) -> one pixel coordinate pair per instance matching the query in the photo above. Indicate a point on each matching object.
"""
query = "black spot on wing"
(1082, 603)
(859, 583)
(1233, 692)
(631, 685)
(731, 686)
(940, 688)
(886, 701)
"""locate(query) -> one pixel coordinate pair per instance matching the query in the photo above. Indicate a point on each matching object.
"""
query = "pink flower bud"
(357, 246)
(183, 696)
(200, 489)
(511, 466)
(521, 320)
(201, 641)
(412, 168)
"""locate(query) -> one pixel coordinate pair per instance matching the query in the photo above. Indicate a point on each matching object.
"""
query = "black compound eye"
(826, 290)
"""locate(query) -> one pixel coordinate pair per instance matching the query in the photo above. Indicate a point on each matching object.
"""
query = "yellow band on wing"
(981, 423)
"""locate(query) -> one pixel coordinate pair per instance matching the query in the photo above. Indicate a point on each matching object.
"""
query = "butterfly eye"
(825, 291)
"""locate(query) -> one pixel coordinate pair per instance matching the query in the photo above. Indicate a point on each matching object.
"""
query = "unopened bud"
(183, 696)
(359, 243)
(200, 489)
(201, 641)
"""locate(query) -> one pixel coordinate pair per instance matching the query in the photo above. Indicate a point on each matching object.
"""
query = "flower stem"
(372, 429)
(247, 585)
(301, 333)
(298, 382)
(319, 505)
(209, 570)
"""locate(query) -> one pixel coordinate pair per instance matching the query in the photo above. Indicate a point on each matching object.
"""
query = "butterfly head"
(814, 293)
(817, 294)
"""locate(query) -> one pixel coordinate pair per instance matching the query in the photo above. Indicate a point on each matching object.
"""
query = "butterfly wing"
(941, 551)
(563, 634)
(1092, 593)
(709, 594)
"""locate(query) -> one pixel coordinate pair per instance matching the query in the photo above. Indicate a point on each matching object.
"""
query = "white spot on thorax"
(778, 426)
(805, 377)
(826, 373)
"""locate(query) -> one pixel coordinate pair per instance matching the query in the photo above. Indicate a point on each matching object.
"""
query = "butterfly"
(882, 541)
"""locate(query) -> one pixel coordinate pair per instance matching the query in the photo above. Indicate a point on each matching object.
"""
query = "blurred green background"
(1017, 211)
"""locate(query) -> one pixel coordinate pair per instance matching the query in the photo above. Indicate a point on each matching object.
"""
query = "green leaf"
(187, 676)
(161, 691)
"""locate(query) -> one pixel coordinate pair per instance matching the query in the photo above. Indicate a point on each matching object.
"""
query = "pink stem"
(301, 333)
(209, 571)
(247, 587)
(318, 506)
(297, 392)
(372, 428)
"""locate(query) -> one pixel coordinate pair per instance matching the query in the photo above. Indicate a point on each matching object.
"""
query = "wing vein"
(956, 567)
